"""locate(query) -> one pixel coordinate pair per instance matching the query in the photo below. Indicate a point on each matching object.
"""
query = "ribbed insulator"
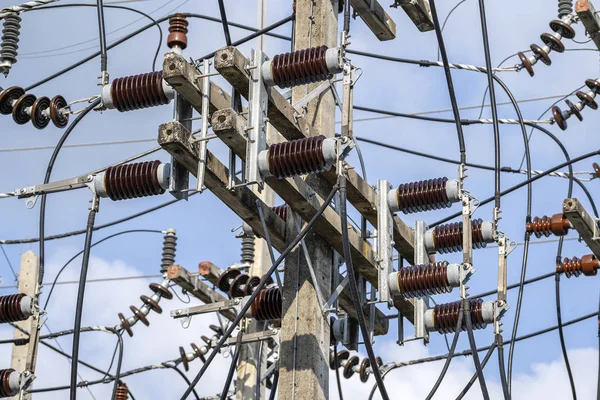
(300, 67)
(10, 308)
(565, 7)
(10, 41)
(588, 265)
(423, 196)
(448, 237)
(247, 256)
(130, 181)
(267, 305)
(558, 225)
(281, 211)
(297, 157)
(424, 280)
(177, 31)
(122, 392)
(138, 91)
(5, 389)
(168, 250)
(445, 316)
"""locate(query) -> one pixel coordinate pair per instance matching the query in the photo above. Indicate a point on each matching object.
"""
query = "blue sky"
(204, 223)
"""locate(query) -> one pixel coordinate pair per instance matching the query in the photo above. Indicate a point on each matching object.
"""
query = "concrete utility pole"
(304, 352)
(28, 277)
(246, 370)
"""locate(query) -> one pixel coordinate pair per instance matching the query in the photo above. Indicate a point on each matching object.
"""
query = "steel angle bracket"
(257, 119)
(419, 12)
(203, 144)
(269, 334)
(384, 241)
(235, 304)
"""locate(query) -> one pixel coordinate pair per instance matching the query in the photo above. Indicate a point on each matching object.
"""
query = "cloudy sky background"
(53, 39)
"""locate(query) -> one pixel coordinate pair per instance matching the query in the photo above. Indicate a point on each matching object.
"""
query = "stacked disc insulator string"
(237, 284)
(586, 99)
(200, 351)
(552, 42)
(352, 364)
(26, 107)
(150, 304)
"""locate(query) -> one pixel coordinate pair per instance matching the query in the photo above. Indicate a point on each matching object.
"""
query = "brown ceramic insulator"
(267, 305)
(541, 54)
(552, 42)
(10, 308)
(596, 169)
(20, 116)
(574, 110)
(588, 265)
(198, 352)
(526, 64)
(177, 32)
(558, 225)
(129, 181)
(297, 157)
(587, 99)
(5, 389)
(184, 360)
(140, 315)
(125, 325)
(138, 91)
(216, 329)
(300, 67)
(207, 340)
(252, 284)
(151, 303)
(238, 286)
(122, 392)
(163, 291)
(445, 316)
(224, 282)
(59, 119)
(38, 119)
(7, 97)
(558, 118)
(364, 370)
(447, 238)
(423, 280)
(281, 211)
(422, 196)
(566, 30)
(348, 371)
(593, 85)
(341, 356)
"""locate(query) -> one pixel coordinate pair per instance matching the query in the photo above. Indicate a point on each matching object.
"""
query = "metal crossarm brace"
(384, 241)
(588, 15)
(233, 305)
(270, 334)
(419, 12)
(421, 303)
(204, 132)
(583, 223)
(375, 17)
(257, 119)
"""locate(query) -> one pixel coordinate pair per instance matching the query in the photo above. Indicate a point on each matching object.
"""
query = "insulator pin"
(15, 307)
(9, 382)
(444, 317)
(588, 265)
(558, 225)
(129, 181)
(302, 67)
(432, 194)
(447, 238)
(137, 91)
(425, 280)
(298, 157)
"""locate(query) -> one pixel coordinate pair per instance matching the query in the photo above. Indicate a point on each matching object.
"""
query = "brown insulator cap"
(177, 32)
(588, 265)
(558, 225)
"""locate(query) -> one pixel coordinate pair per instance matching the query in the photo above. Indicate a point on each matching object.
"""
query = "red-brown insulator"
(444, 317)
(177, 32)
(558, 225)
(138, 91)
(267, 305)
(281, 211)
(432, 194)
(588, 265)
(9, 382)
(425, 280)
(448, 238)
(130, 181)
(300, 67)
(15, 307)
(226, 279)
(122, 392)
(297, 157)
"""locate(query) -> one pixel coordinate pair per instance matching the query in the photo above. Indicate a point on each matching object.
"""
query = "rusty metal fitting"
(588, 265)
(558, 225)
(177, 32)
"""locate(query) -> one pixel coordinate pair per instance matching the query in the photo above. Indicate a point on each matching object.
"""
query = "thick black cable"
(224, 22)
(450, 84)
(354, 288)
(79, 253)
(598, 390)
(346, 16)
(102, 35)
(185, 378)
(274, 385)
(260, 286)
(466, 310)
(446, 21)
(449, 356)
(561, 334)
(337, 372)
(474, 377)
(53, 158)
(154, 22)
(112, 360)
(119, 363)
(232, 368)
(501, 366)
(80, 296)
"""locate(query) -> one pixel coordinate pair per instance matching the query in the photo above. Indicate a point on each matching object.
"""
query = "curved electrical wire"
(102, 36)
(446, 20)
(185, 378)
(337, 372)
(232, 368)
(119, 363)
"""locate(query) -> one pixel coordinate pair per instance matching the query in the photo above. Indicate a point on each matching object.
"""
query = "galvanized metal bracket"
(418, 11)
(235, 304)
(203, 143)
(384, 242)
(31, 193)
(421, 303)
(269, 334)
(179, 181)
(257, 119)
